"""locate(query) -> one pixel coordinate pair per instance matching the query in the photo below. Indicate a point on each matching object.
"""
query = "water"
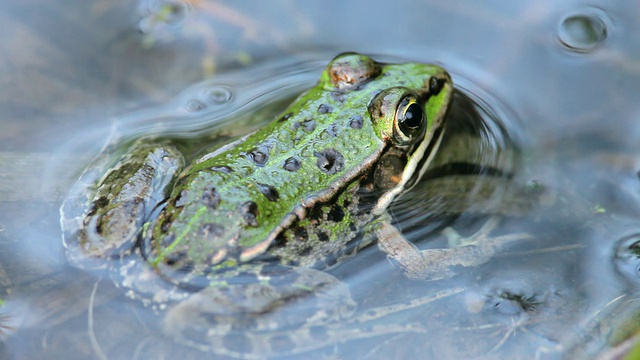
(550, 88)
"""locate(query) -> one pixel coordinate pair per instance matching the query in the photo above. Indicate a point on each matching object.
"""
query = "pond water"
(547, 91)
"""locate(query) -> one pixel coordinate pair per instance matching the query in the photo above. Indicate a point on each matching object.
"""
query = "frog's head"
(407, 110)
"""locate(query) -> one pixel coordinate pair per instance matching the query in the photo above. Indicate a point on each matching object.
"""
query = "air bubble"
(219, 95)
(195, 106)
(583, 32)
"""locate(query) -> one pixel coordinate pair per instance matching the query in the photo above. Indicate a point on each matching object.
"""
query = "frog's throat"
(413, 171)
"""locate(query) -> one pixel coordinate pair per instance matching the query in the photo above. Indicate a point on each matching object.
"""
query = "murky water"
(550, 90)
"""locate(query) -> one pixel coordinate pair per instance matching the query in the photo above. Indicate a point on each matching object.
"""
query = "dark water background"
(561, 79)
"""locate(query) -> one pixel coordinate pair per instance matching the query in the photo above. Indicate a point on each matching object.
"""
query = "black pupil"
(413, 116)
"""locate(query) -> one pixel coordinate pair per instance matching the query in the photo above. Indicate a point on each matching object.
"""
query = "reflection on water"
(243, 98)
(544, 144)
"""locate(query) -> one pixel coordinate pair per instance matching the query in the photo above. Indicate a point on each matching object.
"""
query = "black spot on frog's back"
(333, 129)
(330, 161)
(210, 197)
(336, 213)
(292, 164)
(222, 169)
(269, 192)
(356, 122)
(285, 117)
(211, 231)
(338, 96)
(259, 156)
(308, 125)
(324, 109)
(301, 234)
(174, 258)
(249, 211)
(322, 236)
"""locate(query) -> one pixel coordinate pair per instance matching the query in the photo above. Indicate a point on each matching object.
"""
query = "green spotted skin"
(293, 184)
(296, 192)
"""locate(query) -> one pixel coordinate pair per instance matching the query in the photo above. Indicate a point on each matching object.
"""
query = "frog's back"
(233, 203)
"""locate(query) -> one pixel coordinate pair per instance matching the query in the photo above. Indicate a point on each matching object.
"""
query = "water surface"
(557, 84)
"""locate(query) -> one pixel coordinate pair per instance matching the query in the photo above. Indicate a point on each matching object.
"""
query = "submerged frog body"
(296, 194)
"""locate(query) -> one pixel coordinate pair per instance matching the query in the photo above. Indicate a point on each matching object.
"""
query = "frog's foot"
(481, 237)
(108, 206)
(437, 264)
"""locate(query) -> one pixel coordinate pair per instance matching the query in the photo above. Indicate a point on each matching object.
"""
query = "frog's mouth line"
(432, 148)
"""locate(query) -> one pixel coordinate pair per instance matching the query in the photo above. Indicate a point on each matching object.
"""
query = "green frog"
(284, 202)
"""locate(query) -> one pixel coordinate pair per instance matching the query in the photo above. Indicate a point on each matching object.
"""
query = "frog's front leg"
(112, 200)
(437, 264)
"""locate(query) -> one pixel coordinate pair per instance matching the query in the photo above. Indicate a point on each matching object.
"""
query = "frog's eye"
(410, 119)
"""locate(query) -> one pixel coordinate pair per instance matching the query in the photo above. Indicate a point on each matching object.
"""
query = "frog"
(285, 202)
